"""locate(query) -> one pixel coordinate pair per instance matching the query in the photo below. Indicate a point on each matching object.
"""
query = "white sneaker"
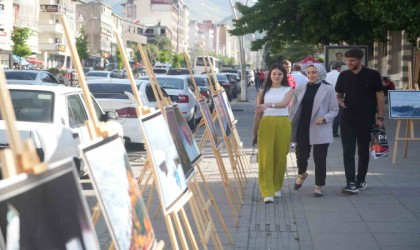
(277, 194)
(268, 199)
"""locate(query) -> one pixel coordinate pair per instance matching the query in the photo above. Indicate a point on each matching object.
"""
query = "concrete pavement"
(386, 215)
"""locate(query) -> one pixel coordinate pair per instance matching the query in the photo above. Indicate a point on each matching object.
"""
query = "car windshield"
(160, 71)
(32, 105)
(20, 75)
(200, 81)
(110, 90)
(96, 73)
(221, 77)
(171, 83)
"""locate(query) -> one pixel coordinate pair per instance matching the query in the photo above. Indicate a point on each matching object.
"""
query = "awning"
(35, 61)
(20, 60)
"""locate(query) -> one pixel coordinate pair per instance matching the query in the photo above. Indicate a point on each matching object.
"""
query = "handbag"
(379, 143)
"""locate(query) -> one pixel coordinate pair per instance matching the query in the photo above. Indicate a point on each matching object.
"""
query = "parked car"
(235, 82)
(87, 69)
(178, 71)
(226, 84)
(97, 74)
(5, 67)
(53, 117)
(181, 89)
(204, 88)
(31, 77)
(116, 95)
(160, 71)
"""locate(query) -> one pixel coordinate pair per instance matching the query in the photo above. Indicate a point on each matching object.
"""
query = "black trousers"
(356, 131)
(336, 122)
(303, 150)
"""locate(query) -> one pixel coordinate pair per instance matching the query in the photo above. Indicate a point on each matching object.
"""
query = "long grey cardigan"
(325, 105)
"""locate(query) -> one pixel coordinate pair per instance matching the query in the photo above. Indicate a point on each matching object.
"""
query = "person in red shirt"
(388, 85)
(262, 78)
(290, 79)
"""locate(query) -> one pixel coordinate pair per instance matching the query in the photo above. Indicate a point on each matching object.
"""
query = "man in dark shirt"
(359, 93)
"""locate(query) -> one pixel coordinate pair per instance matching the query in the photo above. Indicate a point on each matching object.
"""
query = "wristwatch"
(273, 105)
(380, 118)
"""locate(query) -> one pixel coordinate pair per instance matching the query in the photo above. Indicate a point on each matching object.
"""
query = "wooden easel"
(236, 163)
(205, 224)
(95, 128)
(21, 157)
(409, 129)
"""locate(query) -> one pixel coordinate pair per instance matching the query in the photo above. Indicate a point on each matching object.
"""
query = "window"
(77, 112)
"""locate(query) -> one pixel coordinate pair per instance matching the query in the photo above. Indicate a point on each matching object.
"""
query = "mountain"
(215, 10)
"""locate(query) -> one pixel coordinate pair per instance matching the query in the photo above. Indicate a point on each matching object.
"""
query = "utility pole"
(244, 84)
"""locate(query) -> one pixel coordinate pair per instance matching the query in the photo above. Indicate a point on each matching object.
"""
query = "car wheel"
(191, 122)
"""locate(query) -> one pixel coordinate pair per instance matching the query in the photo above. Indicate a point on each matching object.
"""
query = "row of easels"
(409, 129)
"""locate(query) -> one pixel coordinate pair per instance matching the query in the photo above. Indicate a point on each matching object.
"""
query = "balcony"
(51, 28)
(53, 8)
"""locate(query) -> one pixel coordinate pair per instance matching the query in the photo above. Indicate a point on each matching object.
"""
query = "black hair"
(354, 52)
(269, 83)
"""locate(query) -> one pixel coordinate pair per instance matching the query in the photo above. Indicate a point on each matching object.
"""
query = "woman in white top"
(272, 128)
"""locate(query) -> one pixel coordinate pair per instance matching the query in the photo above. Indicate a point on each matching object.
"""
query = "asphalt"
(386, 215)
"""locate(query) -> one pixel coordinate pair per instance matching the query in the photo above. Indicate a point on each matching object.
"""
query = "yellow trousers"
(274, 133)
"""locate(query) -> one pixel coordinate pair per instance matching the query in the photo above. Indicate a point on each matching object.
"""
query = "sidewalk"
(386, 215)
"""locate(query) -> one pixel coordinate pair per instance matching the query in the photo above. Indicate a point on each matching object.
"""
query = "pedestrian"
(360, 95)
(301, 79)
(290, 79)
(331, 78)
(257, 79)
(313, 110)
(388, 85)
(272, 130)
(262, 78)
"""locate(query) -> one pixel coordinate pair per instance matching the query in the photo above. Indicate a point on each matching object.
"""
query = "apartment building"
(170, 16)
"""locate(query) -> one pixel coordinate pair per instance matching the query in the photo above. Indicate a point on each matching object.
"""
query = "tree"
(19, 37)
(178, 61)
(119, 58)
(82, 45)
(160, 50)
(327, 21)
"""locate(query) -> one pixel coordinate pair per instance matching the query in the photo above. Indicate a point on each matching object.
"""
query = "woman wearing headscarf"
(313, 110)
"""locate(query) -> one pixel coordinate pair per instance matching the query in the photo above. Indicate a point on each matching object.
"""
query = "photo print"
(184, 140)
(209, 121)
(118, 194)
(220, 107)
(168, 166)
(404, 104)
(45, 211)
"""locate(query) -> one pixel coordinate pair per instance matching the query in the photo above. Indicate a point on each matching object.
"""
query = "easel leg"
(407, 131)
(188, 227)
(96, 212)
(397, 137)
(171, 232)
(216, 208)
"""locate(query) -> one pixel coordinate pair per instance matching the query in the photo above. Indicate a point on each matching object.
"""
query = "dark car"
(178, 71)
(226, 84)
(234, 80)
(204, 88)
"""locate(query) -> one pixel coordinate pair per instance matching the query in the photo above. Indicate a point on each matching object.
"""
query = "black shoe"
(361, 184)
(336, 135)
(350, 188)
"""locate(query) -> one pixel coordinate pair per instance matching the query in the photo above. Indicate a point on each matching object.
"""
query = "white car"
(100, 74)
(117, 95)
(30, 77)
(54, 118)
(181, 89)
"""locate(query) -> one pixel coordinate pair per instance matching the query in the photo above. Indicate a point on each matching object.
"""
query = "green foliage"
(19, 37)
(136, 52)
(119, 58)
(54, 71)
(160, 50)
(178, 61)
(327, 21)
(224, 60)
(82, 44)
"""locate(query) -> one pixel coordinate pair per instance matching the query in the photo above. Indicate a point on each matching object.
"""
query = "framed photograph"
(167, 165)
(336, 54)
(209, 121)
(227, 106)
(45, 211)
(184, 140)
(220, 108)
(118, 194)
(404, 104)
